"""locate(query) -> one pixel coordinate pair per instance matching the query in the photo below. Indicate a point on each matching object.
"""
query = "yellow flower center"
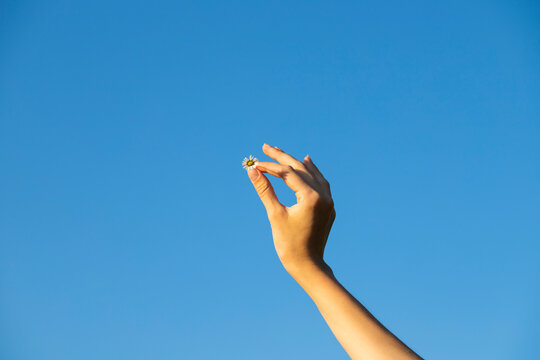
(250, 162)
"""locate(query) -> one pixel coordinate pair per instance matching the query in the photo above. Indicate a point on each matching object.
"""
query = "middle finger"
(282, 157)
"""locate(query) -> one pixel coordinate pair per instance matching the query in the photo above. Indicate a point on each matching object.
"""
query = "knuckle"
(329, 201)
(298, 164)
(274, 212)
(325, 183)
(286, 170)
(262, 189)
(324, 201)
(312, 197)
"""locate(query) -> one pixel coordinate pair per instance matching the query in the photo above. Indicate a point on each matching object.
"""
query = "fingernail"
(265, 144)
(253, 174)
(277, 148)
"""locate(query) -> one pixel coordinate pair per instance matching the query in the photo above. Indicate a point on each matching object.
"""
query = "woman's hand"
(300, 231)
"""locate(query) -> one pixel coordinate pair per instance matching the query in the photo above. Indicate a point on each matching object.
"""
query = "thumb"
(264, 189)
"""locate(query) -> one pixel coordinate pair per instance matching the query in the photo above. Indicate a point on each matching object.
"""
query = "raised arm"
(300, 233)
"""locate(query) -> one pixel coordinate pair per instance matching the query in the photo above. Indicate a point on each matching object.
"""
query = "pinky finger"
(313, 168)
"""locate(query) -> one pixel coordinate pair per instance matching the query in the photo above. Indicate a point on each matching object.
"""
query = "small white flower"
(249, 163)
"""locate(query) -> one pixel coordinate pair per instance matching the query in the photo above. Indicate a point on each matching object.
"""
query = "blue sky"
(129, 230)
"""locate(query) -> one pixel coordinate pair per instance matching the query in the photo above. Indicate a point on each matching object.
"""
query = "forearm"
(360, 334)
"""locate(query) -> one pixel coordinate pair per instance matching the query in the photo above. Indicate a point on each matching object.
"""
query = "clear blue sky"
(129, 230)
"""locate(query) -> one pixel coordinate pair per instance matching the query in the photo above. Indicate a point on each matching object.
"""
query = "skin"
(300, 233)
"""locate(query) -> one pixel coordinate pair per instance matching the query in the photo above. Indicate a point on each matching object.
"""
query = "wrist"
(302, 271)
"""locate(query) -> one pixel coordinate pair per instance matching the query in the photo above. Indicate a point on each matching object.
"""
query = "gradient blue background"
(129, 230)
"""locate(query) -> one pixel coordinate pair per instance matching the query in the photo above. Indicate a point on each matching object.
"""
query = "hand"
(300, 231)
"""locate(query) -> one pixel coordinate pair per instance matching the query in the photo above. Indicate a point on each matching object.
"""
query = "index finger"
(286, 172)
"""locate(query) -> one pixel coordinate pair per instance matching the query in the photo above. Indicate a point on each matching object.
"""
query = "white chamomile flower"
(249, 163)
